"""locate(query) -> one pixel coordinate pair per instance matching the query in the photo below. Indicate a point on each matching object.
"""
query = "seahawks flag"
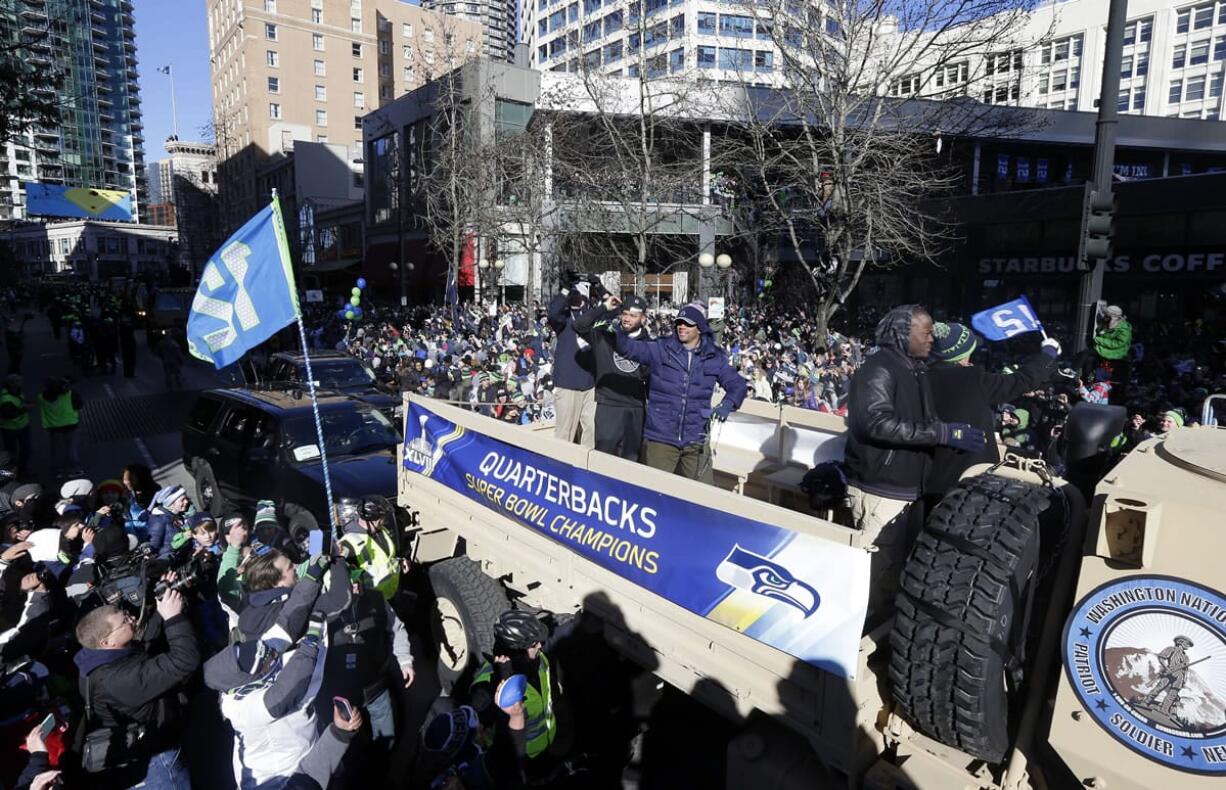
(246, 293)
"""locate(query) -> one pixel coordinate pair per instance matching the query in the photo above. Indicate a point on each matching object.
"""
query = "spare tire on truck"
(962, 611)
(468, 603)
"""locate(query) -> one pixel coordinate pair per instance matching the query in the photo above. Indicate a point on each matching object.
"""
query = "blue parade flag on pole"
(246, 295)
(246, 292)
(1006, 320)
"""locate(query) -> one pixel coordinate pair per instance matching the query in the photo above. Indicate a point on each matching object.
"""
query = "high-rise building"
(286, 70)
(499, 19)
(99, 142)
(1174, 61)
(159, 182)
(192, 191)
(710, 39)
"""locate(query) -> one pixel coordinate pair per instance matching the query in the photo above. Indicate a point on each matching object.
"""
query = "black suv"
(333, 371)
(244, 445)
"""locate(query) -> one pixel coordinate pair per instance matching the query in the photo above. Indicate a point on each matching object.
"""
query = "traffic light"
(1098, 228)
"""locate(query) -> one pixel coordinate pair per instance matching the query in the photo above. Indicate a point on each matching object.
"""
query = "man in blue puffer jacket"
(684, 370)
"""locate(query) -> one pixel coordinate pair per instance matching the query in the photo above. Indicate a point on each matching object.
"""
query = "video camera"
(125, 581)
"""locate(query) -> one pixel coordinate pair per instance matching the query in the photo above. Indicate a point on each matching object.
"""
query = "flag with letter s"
(246, 291)
(1006, 320)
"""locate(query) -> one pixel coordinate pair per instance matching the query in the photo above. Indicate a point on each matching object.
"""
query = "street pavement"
(124, 420)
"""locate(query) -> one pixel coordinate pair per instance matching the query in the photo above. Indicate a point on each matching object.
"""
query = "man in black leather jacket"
(892, 430)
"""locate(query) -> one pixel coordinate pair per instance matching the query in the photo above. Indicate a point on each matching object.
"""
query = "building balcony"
(97, 16)
(105, 100)
(132, 73)
(34, 13)
(46, 131)
(128, 32)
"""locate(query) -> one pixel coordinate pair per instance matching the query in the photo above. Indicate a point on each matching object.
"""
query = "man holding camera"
(574, 398)
(621, 383)
(134, 711)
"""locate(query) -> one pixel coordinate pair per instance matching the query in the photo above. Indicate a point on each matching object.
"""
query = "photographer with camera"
(134, 695)
(573, 364)
(621, 384)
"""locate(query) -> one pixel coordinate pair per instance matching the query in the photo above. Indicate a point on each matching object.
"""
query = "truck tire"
(208, 496)
(467, 604)
(963, 590)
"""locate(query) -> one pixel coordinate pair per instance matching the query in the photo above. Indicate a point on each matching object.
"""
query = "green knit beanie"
(952, 342)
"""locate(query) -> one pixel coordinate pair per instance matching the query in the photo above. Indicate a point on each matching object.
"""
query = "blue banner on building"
(1023, 168)
(1040, 171)
(56, 200)
(1002, 165)
(795, 592)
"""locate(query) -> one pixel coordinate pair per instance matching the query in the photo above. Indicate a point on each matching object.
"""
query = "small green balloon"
(356, 292)
(349, 314)
(355, 300)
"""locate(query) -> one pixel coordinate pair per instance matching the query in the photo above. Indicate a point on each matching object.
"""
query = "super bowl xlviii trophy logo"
(1146, 656)
(420, 451)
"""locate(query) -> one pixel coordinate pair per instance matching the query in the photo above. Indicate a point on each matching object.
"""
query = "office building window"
(1130, 33)
(706, 57)
(357, 49)
(1138, 99)
(355, 25)
(1182, 20)
(317, 42)
(427, 35)
(385, 70)
(1219, 46)
(1176, 91)
(676, 61)
(274, 85)
(359, 100)
(385, 47)
(406, 30)
(321, 138)
(1142, 67)
(677, 26)
(1121, 103)
(763, 61)
(270, 6)
(1177, 60)
(407, 52)
(357, 75)
(734, 59)
(736, 26)
(321, 117)
(274, 111)
(321, 93)
(272, 58)
(1196, 89)
(270, 31)
(1215, 85)
(706, 23)
(1198, 53)
(408, 73)
(357, 122)
(613, 22)
(1202, 16)
(321, 69)
(613, 52)
(1059, 81)
(317, 16)
(1074, 77)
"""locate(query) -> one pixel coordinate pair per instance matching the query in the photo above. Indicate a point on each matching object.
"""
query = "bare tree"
(841, 164)
(29, 88)
(628, 157)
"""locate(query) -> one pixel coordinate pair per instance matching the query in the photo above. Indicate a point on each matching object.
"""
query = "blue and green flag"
(246, 292)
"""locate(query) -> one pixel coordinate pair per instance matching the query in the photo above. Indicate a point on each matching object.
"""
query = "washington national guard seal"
(1146, 656)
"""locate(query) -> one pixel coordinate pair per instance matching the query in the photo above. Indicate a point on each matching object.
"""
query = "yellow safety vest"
(380, 567)
(540, 726)
(21, 420)
(58, 413)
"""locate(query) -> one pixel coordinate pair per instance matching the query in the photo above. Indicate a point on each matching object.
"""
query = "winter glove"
(961, 436)
(317, 567)
(722, 411)
(1051, 347)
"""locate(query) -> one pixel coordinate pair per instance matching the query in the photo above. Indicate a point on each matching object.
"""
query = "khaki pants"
(884, 522)
(692, 461)
(575, 413)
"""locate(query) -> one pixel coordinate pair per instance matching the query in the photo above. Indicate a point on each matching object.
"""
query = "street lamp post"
(705, 261)
(498, 264)
(484, 266)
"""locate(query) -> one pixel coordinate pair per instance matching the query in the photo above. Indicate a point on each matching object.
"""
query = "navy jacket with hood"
(681, 384)
(573, 363)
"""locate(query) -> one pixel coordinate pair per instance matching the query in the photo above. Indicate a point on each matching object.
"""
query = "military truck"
(1050, 632)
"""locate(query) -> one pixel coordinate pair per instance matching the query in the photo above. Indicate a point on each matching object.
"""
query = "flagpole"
(174, 111)
(319, 428)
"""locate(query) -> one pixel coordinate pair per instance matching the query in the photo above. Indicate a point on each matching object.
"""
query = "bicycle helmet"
(519, 630)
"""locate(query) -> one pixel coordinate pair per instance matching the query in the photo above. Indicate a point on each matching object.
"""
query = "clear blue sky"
(172, 32)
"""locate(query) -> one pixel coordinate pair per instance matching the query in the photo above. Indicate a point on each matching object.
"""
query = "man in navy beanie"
(684, 369)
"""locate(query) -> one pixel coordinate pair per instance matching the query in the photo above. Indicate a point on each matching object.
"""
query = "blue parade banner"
(1006, 320)
(795, 592)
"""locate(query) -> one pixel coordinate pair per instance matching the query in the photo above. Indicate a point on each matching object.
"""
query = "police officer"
(15, 423)
(370, 546)
(520, 640)
(59, 407)
(621, 383)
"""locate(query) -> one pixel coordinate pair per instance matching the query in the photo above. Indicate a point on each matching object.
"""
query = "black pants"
(619, 430)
